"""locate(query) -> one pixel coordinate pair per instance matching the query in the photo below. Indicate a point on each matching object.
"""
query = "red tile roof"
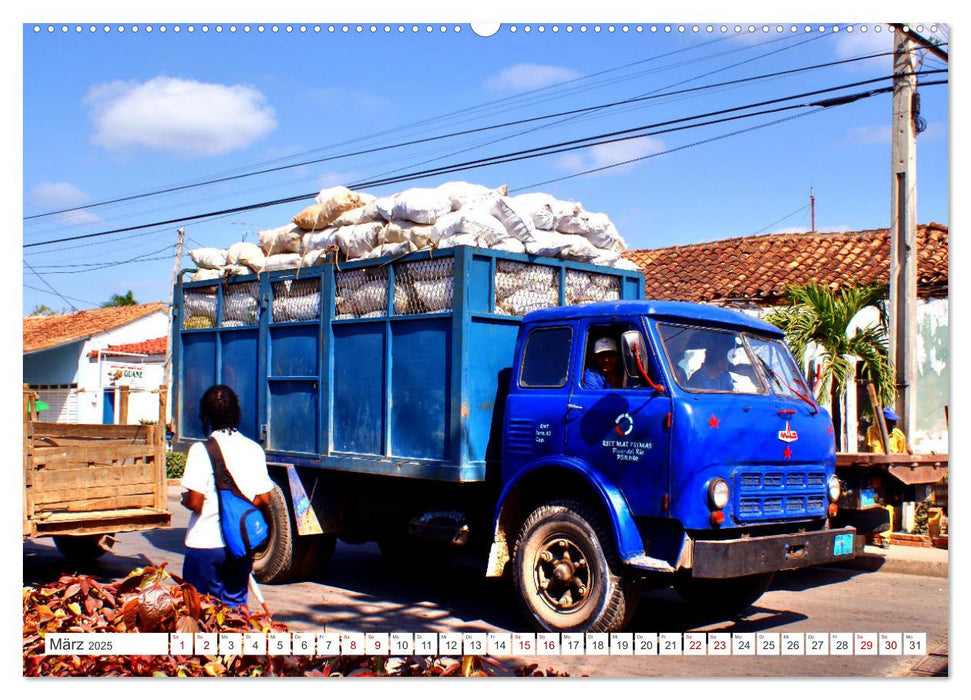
(155, 346)
(43, 332)
(758, 268)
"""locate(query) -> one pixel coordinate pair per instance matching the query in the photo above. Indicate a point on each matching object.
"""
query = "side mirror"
(634, 353)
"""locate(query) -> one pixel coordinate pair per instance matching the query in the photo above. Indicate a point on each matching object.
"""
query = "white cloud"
(610, 153)
(867, 135)
(181, 116)
(858, 43)
(530, 76)
(62, 195)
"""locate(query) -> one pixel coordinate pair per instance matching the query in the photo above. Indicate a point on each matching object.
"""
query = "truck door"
(620, 426)
(537, 402)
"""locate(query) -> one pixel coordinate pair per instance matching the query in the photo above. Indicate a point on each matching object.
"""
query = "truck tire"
(567, 573)
(723, 596)
(80, 548)
(286, 555)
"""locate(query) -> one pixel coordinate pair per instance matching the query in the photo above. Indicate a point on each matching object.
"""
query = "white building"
(78, 362)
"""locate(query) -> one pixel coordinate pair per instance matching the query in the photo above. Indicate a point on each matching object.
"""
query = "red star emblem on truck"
(713, 422)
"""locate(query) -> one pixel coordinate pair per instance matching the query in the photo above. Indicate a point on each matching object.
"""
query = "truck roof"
(668, 310)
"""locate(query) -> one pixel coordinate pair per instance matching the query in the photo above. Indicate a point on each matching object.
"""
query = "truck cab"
(662, 440)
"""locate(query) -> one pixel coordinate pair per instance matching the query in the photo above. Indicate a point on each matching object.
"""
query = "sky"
(146, 107)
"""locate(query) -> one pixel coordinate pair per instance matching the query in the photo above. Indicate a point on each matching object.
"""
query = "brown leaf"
(72, 590)
(129, 612)
(155, 604)
(186, 624)
(190, 596)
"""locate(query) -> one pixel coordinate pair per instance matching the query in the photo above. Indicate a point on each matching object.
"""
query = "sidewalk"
(897, 559)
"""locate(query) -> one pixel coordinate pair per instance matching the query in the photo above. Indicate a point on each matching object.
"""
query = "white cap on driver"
(604, 345)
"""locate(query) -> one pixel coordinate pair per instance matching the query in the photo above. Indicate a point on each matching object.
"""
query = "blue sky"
(114, 114)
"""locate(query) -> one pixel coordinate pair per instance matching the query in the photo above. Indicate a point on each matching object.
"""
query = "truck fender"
(627, 539)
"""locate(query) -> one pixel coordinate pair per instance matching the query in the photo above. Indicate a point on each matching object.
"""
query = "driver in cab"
(606, 372)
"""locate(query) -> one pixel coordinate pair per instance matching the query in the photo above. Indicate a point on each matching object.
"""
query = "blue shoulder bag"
(243, 526)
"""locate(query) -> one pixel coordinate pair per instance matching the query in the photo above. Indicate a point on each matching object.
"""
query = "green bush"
(174, 465)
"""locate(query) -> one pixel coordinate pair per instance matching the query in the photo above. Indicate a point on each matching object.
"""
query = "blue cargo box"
(387, 366)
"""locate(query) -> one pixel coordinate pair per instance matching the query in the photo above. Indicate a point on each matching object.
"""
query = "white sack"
(516, 219)
(477, 222)
(596, 227)
(209, 258)
(282, 261)
(284, 239)
(463, 194)
(509, 245)
(203, 274)
(419, 204)
(319, 240)
(539, 205)
(314, 257)
(356, 241)
(245, 254)
(395, 249)
(421, 235)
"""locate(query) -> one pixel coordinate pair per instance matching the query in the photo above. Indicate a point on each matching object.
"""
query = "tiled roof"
(155, 346)
(758, 268)
(42, 332)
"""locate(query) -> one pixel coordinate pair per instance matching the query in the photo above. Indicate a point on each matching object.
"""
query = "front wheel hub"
(562, 575)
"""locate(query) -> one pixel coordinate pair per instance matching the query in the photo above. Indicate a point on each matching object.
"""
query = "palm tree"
(822, 317)
(121, 300)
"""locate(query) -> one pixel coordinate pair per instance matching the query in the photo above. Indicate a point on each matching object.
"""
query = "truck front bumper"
(757, 555)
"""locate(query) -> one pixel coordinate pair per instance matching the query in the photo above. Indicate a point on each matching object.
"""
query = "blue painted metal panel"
(240, 372)
(198, 362)
(293, 415)
(421, 365)
(483, 383)
(293, 350)
(358, 387)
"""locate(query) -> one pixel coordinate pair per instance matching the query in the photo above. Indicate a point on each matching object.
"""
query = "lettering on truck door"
(618, 423)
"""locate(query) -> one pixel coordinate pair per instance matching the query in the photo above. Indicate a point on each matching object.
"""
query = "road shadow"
(813, 577)
(380, 596)
(43, 564)
(168, 540)
(663, 610)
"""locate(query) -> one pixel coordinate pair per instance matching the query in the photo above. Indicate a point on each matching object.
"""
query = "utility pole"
(175, 276)
(812, 209)
(903, 229)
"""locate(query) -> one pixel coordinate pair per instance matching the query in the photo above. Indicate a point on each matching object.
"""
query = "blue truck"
(442, 402)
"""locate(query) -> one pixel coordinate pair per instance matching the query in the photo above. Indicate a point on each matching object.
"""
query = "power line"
(45, 291)
(41, 278)
(575, 144)
(466, 132)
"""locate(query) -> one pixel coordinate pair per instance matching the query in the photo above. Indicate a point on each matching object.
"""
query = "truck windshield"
(705, 359)
(779, 367)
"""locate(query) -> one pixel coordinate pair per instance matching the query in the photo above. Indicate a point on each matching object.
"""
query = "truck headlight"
(834, 488)
(718, 493)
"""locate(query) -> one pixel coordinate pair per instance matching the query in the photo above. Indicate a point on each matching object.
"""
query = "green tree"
(823, 318)
(43, 310)
(121, 300)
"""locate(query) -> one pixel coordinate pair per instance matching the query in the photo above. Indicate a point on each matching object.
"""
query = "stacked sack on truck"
(359, 226)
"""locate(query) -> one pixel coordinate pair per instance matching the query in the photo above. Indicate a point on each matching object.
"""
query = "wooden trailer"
(83, 483)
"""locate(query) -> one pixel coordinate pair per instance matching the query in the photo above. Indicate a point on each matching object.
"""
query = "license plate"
(843, 544)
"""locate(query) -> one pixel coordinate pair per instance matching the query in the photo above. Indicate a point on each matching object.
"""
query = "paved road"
(360, 592)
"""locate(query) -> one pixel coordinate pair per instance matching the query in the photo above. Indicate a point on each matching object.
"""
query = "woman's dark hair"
(219, 409)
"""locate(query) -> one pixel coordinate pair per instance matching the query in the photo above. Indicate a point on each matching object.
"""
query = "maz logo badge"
(788, 435)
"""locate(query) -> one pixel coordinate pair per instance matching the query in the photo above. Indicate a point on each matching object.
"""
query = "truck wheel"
(286, 555)
(567, 573)
(80, 548)
(723, 596)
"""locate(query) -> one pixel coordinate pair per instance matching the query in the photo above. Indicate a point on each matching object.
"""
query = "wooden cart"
(84, 482)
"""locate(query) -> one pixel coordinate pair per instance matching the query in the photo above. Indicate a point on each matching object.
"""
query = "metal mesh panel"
(582, 287)
(362, 293)
(241, 304)
(521, 287)
(423, 287)
(199, 308)
(296, 300)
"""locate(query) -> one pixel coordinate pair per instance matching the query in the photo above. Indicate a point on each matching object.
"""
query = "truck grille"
(773, 494)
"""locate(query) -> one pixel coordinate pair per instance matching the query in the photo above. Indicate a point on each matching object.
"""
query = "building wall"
(70, 364)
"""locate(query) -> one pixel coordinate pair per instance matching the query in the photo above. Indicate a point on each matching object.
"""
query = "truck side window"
(546, 358)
